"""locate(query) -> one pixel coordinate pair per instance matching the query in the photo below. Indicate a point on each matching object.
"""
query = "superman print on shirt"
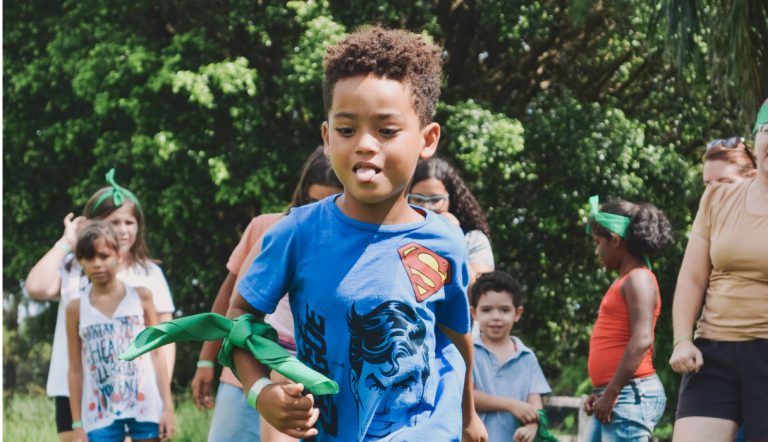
(367, 300)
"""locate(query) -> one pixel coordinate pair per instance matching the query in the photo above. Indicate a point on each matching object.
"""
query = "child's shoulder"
(522, 349)
(451, 235)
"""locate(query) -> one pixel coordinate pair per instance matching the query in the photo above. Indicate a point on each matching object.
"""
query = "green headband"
(117, 192)
(617, 224)
(762, 117)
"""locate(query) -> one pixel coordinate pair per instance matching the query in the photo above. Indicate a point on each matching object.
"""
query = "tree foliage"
(208, 109)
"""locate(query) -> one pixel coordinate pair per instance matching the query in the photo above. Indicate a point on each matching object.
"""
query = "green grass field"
(28, 418)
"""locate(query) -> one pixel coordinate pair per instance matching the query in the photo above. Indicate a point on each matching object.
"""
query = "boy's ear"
(472, 312)
(431, 135)
(519, 313)
(324, 133)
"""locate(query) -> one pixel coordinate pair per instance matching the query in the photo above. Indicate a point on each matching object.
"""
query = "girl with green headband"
(720, 310)
(59, 275)
(628, 399)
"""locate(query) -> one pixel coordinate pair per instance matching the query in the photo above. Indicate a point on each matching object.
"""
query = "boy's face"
(496, 313)
(374, 139)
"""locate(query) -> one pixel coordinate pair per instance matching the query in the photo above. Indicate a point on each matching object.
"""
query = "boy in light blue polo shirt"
(507, 377)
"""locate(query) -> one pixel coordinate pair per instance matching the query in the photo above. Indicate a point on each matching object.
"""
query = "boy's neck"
(393, 211)
(504, 345)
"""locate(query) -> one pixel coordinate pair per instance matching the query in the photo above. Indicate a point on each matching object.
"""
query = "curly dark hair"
(649, 229)
(496, 281)
(387, 53)
(461, 201)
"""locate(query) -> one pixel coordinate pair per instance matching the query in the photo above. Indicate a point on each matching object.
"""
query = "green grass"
(29, 418)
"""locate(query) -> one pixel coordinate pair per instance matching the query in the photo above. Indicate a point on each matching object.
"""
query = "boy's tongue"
(365, 174)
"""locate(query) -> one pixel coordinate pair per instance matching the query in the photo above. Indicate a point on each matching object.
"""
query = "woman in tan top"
(725, 268)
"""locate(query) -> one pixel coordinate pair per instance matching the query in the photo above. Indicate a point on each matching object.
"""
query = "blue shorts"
(233, 419)
(120, 428)
(640, 406)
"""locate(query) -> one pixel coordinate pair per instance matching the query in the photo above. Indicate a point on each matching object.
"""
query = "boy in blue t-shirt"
(507, 377)
(377, 287)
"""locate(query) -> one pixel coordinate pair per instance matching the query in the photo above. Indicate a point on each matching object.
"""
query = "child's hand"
(167, 424)
(524, 411)
(604, 406)
(474, 430)
(686, 358)
(78, 435)
(71, 227)
(201, 387)
(589, 404)
(283, 406)
(525, 434)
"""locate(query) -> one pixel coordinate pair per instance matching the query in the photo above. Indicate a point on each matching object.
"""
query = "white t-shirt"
(73, 284)
(115, 389)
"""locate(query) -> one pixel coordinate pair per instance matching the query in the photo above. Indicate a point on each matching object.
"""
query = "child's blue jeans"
(233, 419)
(120, 428)
(638, 410)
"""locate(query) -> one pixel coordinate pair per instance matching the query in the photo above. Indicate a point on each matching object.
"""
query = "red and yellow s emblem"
(427, 270)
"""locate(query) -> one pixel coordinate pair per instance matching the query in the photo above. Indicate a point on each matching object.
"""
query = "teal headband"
(117, 192)
(762, 117)
(617, 224)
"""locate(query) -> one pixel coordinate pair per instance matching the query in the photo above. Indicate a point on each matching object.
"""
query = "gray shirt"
(479, 248)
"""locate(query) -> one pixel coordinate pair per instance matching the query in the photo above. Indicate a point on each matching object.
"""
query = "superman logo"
(427, 270)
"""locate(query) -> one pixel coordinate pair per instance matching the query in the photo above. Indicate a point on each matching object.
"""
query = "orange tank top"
(611, 334)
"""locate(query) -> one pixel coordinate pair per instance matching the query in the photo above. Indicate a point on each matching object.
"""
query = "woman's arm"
(43, 282)
(75, 375)
(692, 282)
(167, 425)
(639, 291)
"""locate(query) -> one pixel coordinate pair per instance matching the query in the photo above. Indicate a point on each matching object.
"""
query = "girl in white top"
(109, 398)
(58, 274)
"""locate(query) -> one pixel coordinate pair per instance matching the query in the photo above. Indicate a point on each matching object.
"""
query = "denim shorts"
(233, 419)
(120, 428)
(639, 408)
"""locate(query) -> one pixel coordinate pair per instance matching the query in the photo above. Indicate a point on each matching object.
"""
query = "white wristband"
(253, 393)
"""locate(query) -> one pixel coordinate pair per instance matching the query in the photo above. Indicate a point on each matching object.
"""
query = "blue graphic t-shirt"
(366, 299)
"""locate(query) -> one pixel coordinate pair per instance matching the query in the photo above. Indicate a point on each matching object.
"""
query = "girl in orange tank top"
(628, 399)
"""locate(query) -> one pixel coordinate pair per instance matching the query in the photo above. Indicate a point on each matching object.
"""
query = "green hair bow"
(762, 117)
(617, 224)
(117, 192)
